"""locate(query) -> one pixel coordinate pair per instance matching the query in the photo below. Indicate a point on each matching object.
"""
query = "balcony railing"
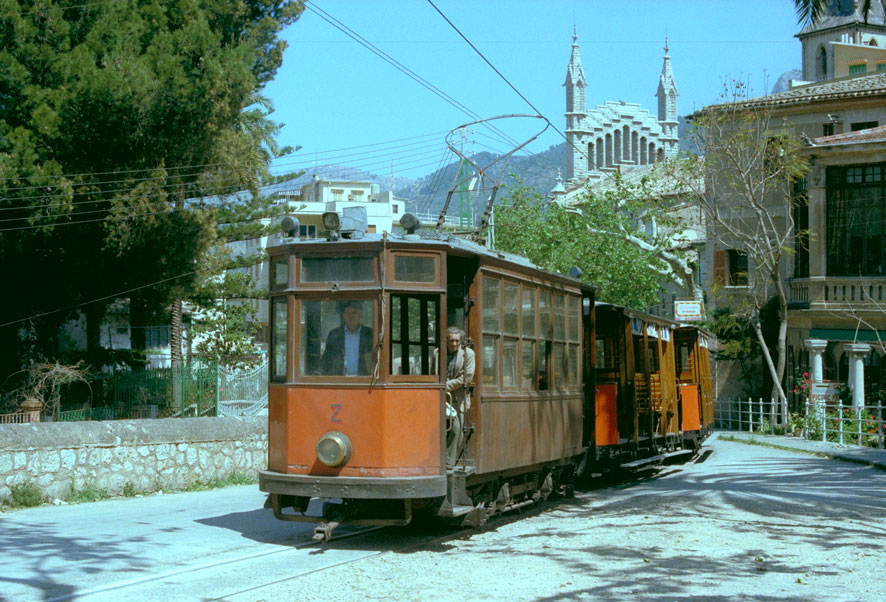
(838, 292)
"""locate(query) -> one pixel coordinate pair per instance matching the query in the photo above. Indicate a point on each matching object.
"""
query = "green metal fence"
(188, 389)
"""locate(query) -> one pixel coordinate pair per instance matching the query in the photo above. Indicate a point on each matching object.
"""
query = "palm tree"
(809, 11)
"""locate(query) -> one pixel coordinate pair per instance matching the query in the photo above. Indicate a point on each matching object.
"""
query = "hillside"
(427, 195)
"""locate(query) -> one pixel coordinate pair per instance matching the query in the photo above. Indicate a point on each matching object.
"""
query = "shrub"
(26, 495)
(90, 493)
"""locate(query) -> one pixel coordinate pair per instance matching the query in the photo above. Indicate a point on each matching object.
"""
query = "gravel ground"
(749, 523)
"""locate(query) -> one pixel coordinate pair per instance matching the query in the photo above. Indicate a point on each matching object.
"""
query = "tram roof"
(435, 239)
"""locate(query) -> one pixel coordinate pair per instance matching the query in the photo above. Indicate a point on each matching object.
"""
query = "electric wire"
(199, 171)
(399, 66)
(505, 79)
(111, 296)
(417, 160)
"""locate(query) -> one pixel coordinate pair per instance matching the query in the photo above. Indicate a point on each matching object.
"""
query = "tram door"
(460, 273)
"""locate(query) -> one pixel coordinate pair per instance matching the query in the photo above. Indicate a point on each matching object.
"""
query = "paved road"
(749, 523)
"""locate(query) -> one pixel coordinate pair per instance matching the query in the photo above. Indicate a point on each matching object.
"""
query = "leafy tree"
(810, 11)
(112, 115)
(557, 238)
(745, 188)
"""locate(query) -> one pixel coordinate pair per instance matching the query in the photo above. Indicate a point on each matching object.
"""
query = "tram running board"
(656, 460)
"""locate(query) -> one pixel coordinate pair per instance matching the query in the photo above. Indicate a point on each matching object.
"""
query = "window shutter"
(720, 267)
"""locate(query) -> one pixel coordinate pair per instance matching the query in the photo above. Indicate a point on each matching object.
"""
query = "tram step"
(659, 459)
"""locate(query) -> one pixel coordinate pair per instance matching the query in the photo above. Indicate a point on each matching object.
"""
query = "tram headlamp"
(331, 221)
(289, 225)
(410, 223)
(334, 449)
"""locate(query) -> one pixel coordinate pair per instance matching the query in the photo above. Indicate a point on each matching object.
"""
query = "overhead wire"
(505, 79)
(97, 299)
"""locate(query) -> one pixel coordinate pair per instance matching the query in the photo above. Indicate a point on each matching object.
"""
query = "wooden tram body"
(653, 386)
(695, 384)
(374, 443)
(525, 431)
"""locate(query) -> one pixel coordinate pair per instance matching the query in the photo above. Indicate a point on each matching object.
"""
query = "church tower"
(667, 107)
(575, 110)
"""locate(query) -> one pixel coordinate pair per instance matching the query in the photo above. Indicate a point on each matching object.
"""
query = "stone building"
(616, 133)
(836, 282)
(624, 137)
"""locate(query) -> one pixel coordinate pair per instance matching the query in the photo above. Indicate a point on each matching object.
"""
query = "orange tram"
(562, 388)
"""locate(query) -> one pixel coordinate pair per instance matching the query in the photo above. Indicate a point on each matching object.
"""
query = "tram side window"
(545, 345)
(574, 338)
(337, 338)
(528, 314)
(511, 331)
(491, 330)
(684, 366)
(279, 347)
(415, 321)
(653, 355)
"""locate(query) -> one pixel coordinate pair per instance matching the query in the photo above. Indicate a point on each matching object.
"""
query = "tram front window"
(337, 338)
(414, 334)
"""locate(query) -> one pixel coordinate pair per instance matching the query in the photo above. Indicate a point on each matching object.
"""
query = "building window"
(863, 125)
(858, 69)
(737, 268)
(856, 209)
(338, 194)
(395, 209)
(822, 63)
(307, 231)
(156, 337)
(801, 230)
(827, 129)
(881, 66)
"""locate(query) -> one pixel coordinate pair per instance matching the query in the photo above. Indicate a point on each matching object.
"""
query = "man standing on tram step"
(459, 370)
(348, 349)
(459, 376)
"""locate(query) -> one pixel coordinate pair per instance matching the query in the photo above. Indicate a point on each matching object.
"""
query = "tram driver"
(348, 350)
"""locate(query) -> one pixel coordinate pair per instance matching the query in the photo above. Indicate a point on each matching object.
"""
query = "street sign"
(688, 310)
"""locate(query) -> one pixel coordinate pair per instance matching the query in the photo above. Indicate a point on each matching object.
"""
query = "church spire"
(575, 79)
(667, 104)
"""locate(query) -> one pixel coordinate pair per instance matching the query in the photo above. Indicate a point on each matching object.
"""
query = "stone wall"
(148, 454)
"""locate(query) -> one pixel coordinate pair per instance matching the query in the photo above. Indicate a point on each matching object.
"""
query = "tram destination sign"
(688, 310)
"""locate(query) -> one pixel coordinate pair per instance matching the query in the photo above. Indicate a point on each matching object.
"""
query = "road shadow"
(43, 549)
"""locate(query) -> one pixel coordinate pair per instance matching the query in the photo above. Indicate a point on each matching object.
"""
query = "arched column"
(817, 348)
(617, 146)
(856, 353)
(626, 139)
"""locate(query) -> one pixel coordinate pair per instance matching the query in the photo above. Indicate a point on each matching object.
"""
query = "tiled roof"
(870, 134)
(828, 21)
(848, 87)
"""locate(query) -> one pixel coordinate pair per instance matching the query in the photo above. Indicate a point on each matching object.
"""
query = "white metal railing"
(750, 415)
(15, 418)
(857, 292)
(429, 220)
(819, 421)
(242, 392)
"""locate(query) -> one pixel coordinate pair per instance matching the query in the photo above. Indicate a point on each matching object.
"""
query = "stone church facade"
(616, 133)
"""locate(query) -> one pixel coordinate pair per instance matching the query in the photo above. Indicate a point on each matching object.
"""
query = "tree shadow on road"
(45, 551)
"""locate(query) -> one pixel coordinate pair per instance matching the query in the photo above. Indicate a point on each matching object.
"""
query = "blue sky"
(334, 94)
